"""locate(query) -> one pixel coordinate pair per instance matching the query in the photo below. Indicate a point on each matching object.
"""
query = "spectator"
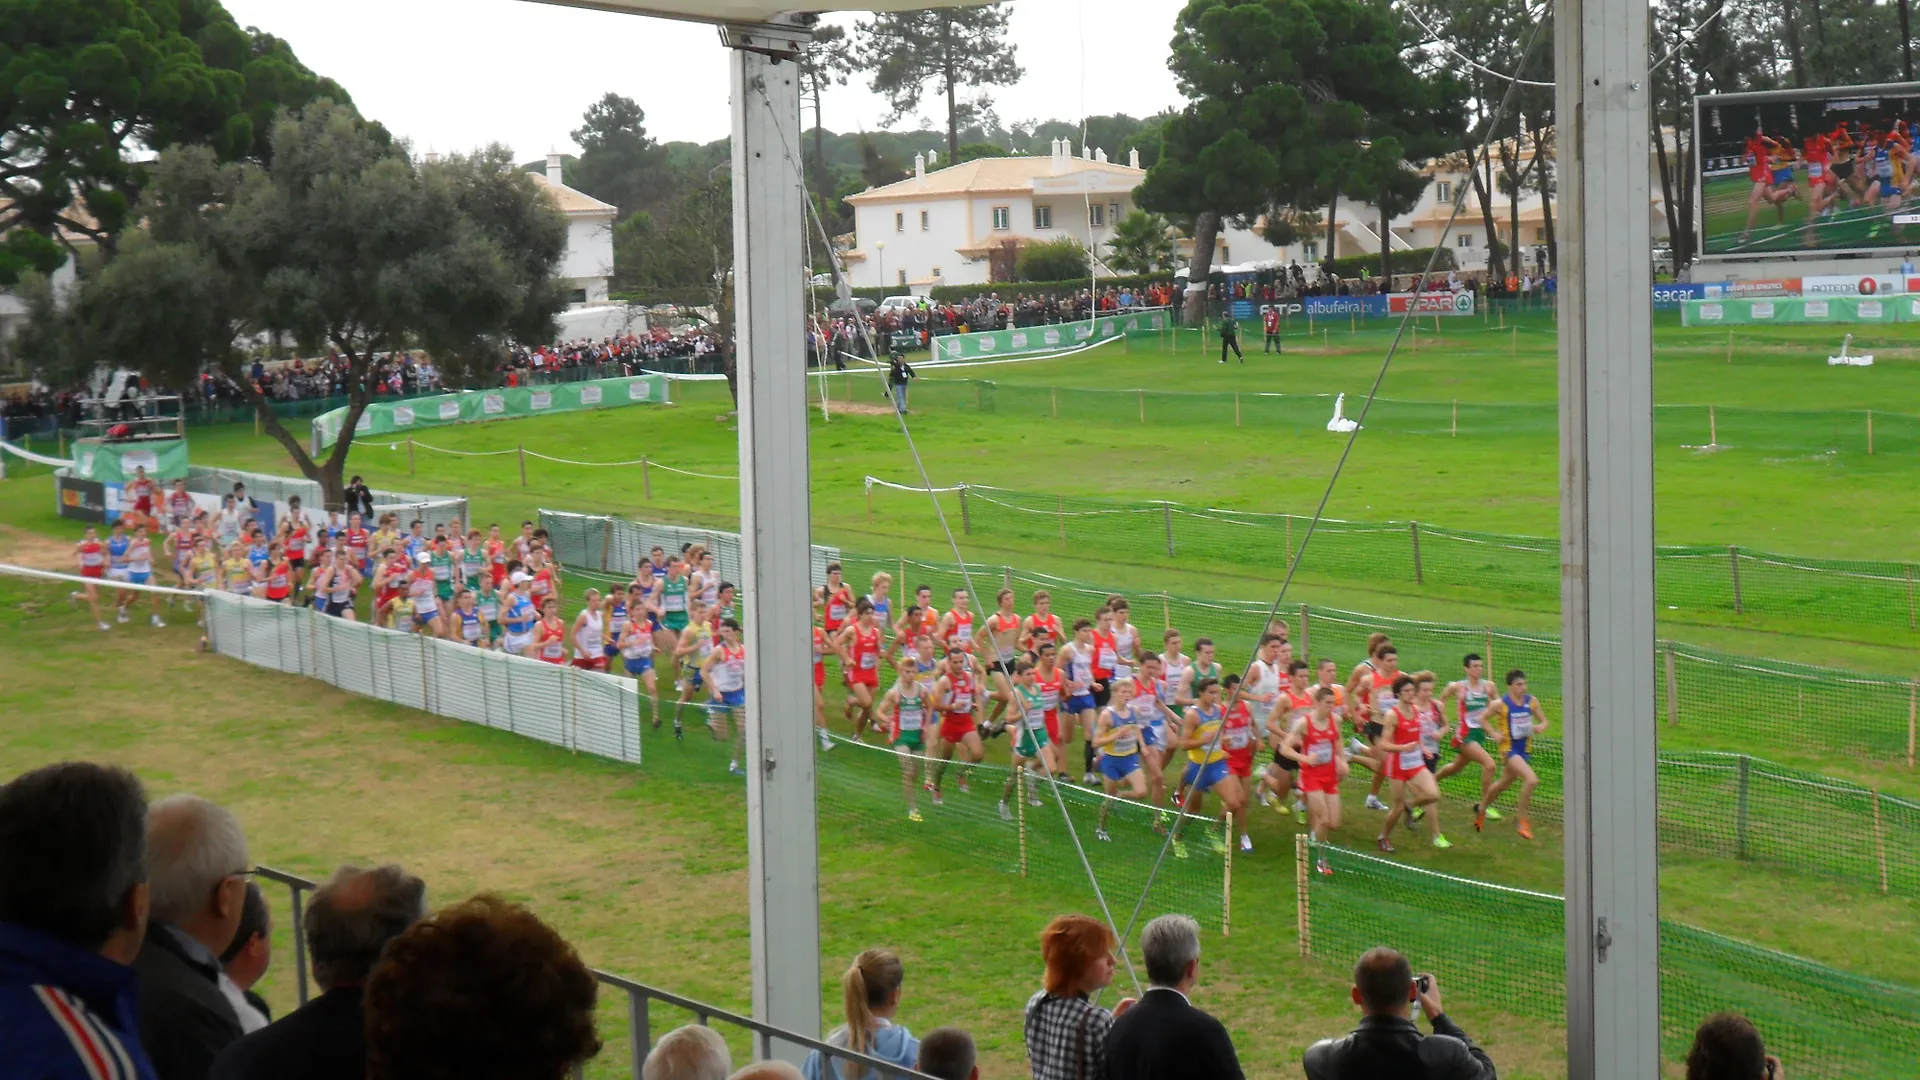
(870, 992)
(246, 959)
(197, 866)
(694, 1052)
(349, 921)
(1066, 1033)
(948, 1053)
(360, 498)
(1164, 1036)
(73, 909)
(898, 372)
(767, 1070)
(479, 989)
(1728, 1047)
(1387, 1044)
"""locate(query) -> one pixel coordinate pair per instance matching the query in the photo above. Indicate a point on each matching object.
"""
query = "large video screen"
(1809, 170)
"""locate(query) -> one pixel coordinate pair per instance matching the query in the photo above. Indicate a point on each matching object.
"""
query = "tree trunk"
(1206, 232)
(820, 182)
(1512, 175)
(953, 116)
(1666, 193)
(1796, 55)
(1496, 267)
(327, 473)
(1544, 180)
(1333, 203)
(1687, 245)
(1386, 248)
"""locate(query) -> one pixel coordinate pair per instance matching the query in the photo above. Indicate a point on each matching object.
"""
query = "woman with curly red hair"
(1066, 1033)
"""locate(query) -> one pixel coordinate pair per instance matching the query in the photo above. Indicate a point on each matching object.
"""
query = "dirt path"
(24, 548)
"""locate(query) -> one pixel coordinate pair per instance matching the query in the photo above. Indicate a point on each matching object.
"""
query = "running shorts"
(1285, 762)
(692, 680)
(1203, 777)
(116, 573)
(1102, 696)
(1080, 703)
(298, 562)
(420, 620)
(1373, 729)
(1030, 742)
(1782, 177)
(337, 608)
(1888, 189)
(1053, 726)
(955, 726)
(819, 676)
(869, 678)
(1320, 778)
(1480, 737)
(1119, 768)
(1240, 762)
(732, 699)
(909, 740)
(675, 621)
(1519, 749)
(1396, 772)
(590, 663)
(1433, 763)
(517, 643)
(638, 666)
(93, 571)
(139, 579)
(1004, 667)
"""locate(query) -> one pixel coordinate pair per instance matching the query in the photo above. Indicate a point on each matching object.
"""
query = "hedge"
(1404, 262)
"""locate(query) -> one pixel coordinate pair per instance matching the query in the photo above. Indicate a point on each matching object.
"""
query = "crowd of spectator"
(131, 936)
(626, 354)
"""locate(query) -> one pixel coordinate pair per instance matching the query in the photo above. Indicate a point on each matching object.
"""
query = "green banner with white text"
(1803, 311)
(1056, 337)
(478, 406)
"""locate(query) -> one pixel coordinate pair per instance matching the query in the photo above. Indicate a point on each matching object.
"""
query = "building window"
(926, 221)
(1002, 218)
(1043, 217)
(899, 223)
(1226, 254)
(903, 277)
(1540, 235)
(1464, 240)
(936, 273)
(1096, 215)
(1113, 212)
(1443, 192)
(577, 296)
(1309, 251)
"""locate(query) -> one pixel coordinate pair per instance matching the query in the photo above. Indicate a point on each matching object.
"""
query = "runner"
(1156, 732)
(1206, 762)
(1473, 695)
(518, 614)
(1117, 734)
(117, 543)
(858, 646)
(1079, 704)
(237, 572)
(590, 635)
(836, 602)
(1313, 744)
(140, 562)
(550, 638)
(494, 550)
(390, 583)
(297, 534)
(424, 593)
(523, 544)
(1003, 632)
(821, 647)
(1377, 691)
(634, 640)
(904, 710)
(696, 642)
(1282, 774)
(1050, 683)
(342, 581)
(141, 490)
(673, 619)
(725, 669)
(1043, 626)
(706, 580)
(1238, 737)
(958, 691)
(179, 505)
(882, 599)
(1106, 658)
(358, 542)
(279, 579)
(90, 556)
(956, 626)
(1200, 668)
(470, 625)
(1032, 746)
(1522, 717)
(1413, 787)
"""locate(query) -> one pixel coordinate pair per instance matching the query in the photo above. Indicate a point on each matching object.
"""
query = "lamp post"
(880, 253)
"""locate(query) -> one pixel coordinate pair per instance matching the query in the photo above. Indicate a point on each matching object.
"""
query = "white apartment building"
(943, 227)
(588, 263)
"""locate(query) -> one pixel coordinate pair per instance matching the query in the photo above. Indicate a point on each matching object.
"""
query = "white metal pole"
(1606, 515)
(782, 846)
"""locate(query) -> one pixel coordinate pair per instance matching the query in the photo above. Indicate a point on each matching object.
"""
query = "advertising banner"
(1323, 306)
(474, 406)
(83, 500)
(1026, 340)
(1431, 303)
(1802, 311)
(1853, 285)
(1757, 287)
(1672, 295)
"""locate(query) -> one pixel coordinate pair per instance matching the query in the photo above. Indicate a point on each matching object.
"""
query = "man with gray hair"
(349, 922)
(1164, 1037)
(694, 1052)
(197, 869)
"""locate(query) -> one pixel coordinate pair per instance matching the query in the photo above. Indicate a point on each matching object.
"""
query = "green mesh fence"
(1702, 578)
(1504, 948)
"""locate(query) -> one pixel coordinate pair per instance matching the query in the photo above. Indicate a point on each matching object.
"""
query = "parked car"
(901, 303)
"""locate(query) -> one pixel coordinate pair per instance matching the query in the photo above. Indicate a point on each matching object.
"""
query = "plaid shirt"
(1066, 1037)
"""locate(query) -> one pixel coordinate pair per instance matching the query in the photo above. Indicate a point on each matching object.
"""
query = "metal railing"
(640, 999)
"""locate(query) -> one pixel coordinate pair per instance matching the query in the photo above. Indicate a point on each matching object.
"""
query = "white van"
(901, 303)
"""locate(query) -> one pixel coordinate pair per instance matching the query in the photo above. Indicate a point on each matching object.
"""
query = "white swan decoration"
(1340, 423)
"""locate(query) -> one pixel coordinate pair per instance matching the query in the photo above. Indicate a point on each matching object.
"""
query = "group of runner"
(1855, 163)
(958, 681)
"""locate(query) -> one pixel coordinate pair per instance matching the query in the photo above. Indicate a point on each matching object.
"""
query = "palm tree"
(1142, 243)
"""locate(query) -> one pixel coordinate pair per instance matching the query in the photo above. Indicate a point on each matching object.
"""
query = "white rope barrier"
(105, 583)
(29, 455)
(648, 462)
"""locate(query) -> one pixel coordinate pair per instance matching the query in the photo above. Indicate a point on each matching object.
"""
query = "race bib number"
(1320, 754)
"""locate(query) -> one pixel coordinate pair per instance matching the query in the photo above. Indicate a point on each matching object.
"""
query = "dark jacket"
(185, 1020)
(1164, 1038)
(1392, 1048)
(65, 1013)
(325, 1039)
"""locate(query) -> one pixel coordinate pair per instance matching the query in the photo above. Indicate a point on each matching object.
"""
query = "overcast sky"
(456, 74)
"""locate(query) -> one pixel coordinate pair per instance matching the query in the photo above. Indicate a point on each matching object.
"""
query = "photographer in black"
(1387, 1045)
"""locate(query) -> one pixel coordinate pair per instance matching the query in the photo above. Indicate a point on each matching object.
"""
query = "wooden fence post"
(1913, 700)
(522, 448)
(1303, 925)
(1733, 563)
(1910, 620)
(646, 480)
(1060, 509)
(1869, 432)
(1673, 691)
(1516, 337)
(409, 455)
(1419, 576)
(1713, 426)
(1455, 431)
(1879, 840)
(1306, 635)
(1020, 801)
(966, 515)
(606, 543)
(1143, 404)
(1053, 394)
(1236, 408)
(1166, 513)
(1226, 883)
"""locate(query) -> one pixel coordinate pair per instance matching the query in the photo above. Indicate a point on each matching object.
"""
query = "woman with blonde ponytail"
(870, 991)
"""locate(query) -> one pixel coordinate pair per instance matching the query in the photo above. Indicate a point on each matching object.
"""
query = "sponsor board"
(1676, 293)
(450, 410)
(589, 395)
(1852, 285)
(84, 500)
(493, 405)
(1738, 290)
(1431, 303)
(403, 415)
(541, 399)
(636, 391)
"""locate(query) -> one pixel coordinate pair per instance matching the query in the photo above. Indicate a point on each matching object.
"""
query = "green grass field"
(1784, 229)
(624, 859)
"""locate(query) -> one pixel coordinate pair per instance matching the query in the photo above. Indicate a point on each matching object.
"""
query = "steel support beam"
(769, 256)
(1606, 522)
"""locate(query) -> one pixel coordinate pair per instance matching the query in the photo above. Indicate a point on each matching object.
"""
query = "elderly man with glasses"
(197, 870)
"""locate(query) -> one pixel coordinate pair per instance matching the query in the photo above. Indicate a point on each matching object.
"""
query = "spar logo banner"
(1433, 303)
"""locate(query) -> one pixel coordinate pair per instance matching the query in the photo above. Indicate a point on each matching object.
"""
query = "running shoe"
(914, 815)
(1419, 814)
(156, 621)
(926, 785)
(1101, 835)
(825, 743)
(1525, 831)
(1034, 800)
(964, 789)
(1384, 844)
(1266, 797)
(1374, 803)
(1246, 843)
(1356, 747)
(679, 733)
(1479, 822)
(1441, 842)
(1493, 814)
(1089, 779)
(1218, 843)
(103, 626)
(1179, 849)
(734, 769)
(1300, 812)
(122, 616)
(936, 797)
(1325, 870)
(1006, 814)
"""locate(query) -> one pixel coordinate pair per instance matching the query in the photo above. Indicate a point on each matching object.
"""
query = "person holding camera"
(1387, 1044)
(1729, 1047)
(898, 372)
